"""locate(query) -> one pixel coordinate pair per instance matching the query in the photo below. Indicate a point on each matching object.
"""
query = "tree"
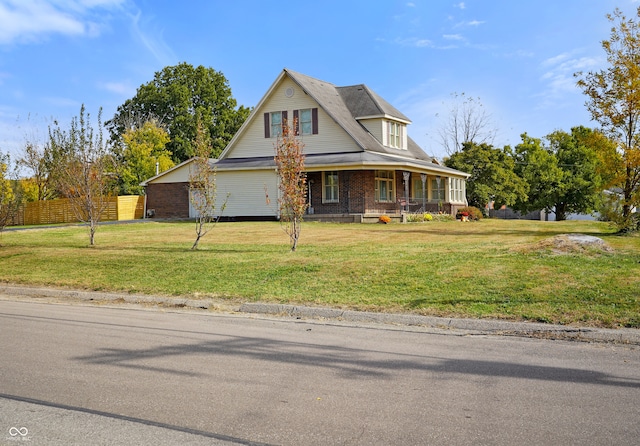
(539, 168)
(202, 185)
(178, 95)
(144, 153)
(581, 182)
(492, 175)
(614, 102)
(85, 170)
(467, 121)
(38, 159)
(10, 191)
(292, 181)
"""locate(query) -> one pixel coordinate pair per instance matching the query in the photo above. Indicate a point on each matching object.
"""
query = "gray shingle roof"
(354, 160)
(362, 102)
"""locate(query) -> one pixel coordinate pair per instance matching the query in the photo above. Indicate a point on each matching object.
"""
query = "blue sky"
(517, 56)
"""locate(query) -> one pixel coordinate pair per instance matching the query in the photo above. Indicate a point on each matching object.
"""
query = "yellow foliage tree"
(144, 155)
(614, 102)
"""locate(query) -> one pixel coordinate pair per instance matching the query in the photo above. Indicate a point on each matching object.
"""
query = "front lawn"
(489, 269)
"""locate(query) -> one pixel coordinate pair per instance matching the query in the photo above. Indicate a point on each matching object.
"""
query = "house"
(359, 159)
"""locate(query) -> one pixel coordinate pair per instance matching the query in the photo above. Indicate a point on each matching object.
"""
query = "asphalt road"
(97, 375)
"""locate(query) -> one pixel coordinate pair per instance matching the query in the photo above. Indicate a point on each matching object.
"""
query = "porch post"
(423, 177)
(439, 199)
(406, 176)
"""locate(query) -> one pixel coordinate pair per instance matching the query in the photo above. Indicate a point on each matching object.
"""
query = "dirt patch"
(570, 244)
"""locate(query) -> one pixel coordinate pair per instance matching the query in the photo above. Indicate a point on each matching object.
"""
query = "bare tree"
(85, 169)
(202, 185)
(37, 158)
(466, 121)
(292, 202)
(10, 191)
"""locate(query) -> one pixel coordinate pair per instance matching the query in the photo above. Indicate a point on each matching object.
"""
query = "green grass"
(486, 269)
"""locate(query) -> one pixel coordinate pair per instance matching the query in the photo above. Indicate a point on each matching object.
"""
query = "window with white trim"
(330, 191)
(395, 137)
(456, 190)
(385, 186)
(437, 189)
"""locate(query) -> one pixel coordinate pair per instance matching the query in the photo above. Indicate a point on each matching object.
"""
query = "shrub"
(469, 211)
(415, 218)
(428, 217)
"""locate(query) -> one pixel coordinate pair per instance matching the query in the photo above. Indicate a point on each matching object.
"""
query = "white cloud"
(120, 88)
(414, 42)
(32, 20)
(460, 5)
(152, 40)
(452, 37)
(558, 77)
(469, 23)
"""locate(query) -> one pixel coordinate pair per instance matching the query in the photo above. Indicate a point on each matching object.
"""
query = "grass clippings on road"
(488, 269)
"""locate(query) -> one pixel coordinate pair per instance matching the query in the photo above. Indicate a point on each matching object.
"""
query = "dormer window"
(395, 136)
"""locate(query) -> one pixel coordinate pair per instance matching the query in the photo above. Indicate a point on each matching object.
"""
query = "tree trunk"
(561, 212)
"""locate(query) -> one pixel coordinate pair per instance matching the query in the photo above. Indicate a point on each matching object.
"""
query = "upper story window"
(276, 124)
(306, 122)
(395, 135)
(273, 123)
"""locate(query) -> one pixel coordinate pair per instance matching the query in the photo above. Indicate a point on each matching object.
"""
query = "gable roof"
(332, 99)
(344, 105)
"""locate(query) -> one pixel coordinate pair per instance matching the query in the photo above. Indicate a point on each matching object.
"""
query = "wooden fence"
(126, 207)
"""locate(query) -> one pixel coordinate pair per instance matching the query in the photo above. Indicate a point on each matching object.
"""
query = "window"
(395, 135)
(273, 123)
(417, 188)
(305, 122)
(330, 187)
(437, 189)
(385, 186)
(276, 124)
(456, 190)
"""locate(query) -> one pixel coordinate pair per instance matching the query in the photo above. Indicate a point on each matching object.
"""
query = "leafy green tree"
(581, 184)
(492, 175)
(144, 151)
(539, 168)
(85, 173)
(178, 95)
(614, 102)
